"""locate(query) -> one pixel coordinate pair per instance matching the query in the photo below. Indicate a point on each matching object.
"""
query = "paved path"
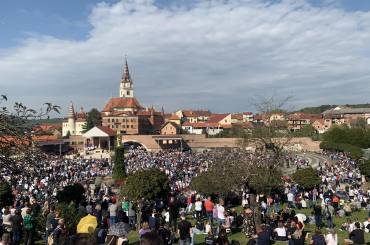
(313, 160)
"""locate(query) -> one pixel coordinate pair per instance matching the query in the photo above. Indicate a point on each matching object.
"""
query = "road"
(313, 159)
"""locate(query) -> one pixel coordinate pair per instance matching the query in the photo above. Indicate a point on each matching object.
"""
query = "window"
(132, 126)
(108, 119)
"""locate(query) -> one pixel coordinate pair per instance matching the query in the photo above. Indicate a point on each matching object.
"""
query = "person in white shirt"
(221, 212)
(331, 238)
(280, 232)
(290, 198)
(198, 208)
(112, 212)
(367, 225)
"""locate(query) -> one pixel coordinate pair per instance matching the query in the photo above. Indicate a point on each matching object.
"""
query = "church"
(125, 115)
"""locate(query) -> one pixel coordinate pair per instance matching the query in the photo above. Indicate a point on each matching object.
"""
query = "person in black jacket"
(357, 236)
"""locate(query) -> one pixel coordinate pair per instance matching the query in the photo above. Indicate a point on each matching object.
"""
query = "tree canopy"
(119, 171)
(348, 140)
(71, 193)
(146, 184)
(307, 178)
(93, 119)
(16, 133)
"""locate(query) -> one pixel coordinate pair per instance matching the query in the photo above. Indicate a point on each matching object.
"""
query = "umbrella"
(119, 229)
(87, 224)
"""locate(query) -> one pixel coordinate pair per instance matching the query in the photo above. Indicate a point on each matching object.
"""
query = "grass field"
(239, 236)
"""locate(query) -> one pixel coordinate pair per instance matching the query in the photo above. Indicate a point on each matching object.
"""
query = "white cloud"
(215, 54)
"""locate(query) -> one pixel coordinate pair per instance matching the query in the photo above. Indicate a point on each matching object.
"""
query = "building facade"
(126, 116)
(75, 123)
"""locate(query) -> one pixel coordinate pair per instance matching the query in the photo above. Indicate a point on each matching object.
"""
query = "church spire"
(126, 87)
(71, 111)
(126, 73)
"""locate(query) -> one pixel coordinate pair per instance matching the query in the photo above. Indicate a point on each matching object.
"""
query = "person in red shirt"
(209, 205)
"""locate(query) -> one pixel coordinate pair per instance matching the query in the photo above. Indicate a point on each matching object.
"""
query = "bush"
(71, 216)
(119, 171)
(307, 178)
(71, 193)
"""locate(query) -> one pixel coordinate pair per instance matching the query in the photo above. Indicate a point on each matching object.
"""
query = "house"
(276, 116)
(322, 125)
(247, 116)
(343, 114)
(48, 129)
(170, 128)
(173, 118)
(215, 125)
(297, 121)
(237, 118)
(193, 116)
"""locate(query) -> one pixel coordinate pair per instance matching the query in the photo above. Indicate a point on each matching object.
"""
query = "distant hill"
(322, 108)
(46, 121)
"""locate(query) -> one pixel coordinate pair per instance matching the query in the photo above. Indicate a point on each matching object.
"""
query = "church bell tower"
(126, 88)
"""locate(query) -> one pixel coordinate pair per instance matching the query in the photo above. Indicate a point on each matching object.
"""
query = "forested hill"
(322, 108)
(46, 121)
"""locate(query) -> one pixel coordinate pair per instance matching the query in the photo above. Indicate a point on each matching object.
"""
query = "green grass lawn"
(239, 236)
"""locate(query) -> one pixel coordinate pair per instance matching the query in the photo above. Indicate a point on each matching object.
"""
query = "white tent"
(101, 133)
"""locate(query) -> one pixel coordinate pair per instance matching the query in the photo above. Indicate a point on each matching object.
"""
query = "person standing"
(112, 212)
(209, 205)
(184, 230)
(198, 209)
(329, 213)
(29, 228)
(17, 221)
(318, 215)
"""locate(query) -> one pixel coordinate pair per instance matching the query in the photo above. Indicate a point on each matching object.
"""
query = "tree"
(307, 178)
(16, 134)
(211, 183)
(93, 119)
(145, 185)
(71, 193)
(6, 196)
(119, 171)
(365, 168)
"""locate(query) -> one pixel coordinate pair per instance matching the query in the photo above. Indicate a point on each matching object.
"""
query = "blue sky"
(185, 53)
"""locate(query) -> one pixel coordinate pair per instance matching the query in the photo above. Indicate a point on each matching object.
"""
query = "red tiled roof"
(215, 118)
(248, 113)
(40, 138)
(198, 113)
(304, 116)
(149, 113)
(107, 130)
(121, 103)
(48, 127)
(173, 117)
(237, 116)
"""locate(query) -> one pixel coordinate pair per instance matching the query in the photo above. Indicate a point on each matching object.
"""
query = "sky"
(221, 55)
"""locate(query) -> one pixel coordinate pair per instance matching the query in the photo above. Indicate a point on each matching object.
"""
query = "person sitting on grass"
(357, 236)
(318, 238)
(222, 238)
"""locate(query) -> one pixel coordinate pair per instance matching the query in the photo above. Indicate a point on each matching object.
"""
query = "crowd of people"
(281, 216)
